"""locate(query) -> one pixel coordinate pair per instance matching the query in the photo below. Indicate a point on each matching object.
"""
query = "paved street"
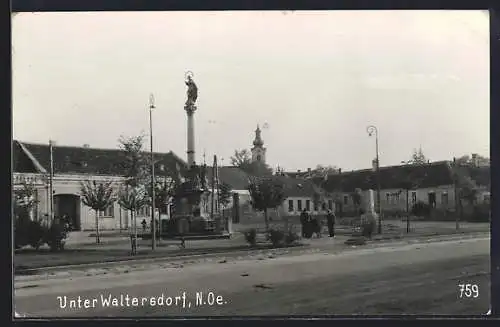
(413, 278)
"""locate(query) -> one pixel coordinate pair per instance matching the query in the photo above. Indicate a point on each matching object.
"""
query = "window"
(290, 205)
(330, 204)
(388, 198)
(259, 157)
(444, 198)
(299, 205)
(346, 199)
(144, 212)
(308, 205)
(108, 212)
(316, 206)
(413, 197)
(323, 206)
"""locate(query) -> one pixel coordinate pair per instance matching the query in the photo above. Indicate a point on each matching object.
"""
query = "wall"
(284, 208)
(399, 203)
(71, 184)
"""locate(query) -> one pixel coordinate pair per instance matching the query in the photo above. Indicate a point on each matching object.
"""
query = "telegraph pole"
(51, 181)
(153, 218)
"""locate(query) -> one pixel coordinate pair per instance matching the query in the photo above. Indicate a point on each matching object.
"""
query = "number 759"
(468, 290)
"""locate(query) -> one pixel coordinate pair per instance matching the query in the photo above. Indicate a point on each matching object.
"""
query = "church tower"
(258, 150)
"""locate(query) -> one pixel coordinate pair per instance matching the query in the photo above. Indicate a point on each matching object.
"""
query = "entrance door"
(432, 199)
(68, 204)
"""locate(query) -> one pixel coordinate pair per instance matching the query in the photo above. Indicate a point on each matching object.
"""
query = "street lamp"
(153, 220)
(373, 130)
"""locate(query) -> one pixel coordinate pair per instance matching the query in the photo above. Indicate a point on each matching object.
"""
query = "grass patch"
(24, 263)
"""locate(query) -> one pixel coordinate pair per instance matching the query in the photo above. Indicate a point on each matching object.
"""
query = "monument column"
(190, 134)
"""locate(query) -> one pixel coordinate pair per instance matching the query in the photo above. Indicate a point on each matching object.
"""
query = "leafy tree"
(243, 160)
(466, 188)
(137, 164)
(467, 160)
(418, 158)
(135, 160)
(321, 170)
(225, 194)
(24, 199)
(266, 193)
(132, 198)
(98, 196)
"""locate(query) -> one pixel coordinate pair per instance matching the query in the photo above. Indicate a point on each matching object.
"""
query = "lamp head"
(151, 101)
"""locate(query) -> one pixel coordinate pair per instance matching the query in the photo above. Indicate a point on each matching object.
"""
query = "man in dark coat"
(330, 218)
(304, 217)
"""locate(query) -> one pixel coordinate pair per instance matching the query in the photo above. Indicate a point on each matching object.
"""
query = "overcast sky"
(318, 79)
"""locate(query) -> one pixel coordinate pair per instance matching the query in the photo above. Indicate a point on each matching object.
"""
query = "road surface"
(413, 279)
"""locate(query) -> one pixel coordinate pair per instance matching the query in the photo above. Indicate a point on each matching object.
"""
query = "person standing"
(304, 217)
(330, 218)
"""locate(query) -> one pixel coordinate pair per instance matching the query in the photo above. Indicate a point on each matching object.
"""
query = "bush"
(368, 228)
(421, 209)
(291, 237)
(368, 225)
(251, 236)
(55, 236)
(27, 232)
(481, 213)
(276, 236)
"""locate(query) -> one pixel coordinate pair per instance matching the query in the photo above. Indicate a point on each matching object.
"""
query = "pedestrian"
(330, 218)
(144, 223)
(315, 226)
(304, 217)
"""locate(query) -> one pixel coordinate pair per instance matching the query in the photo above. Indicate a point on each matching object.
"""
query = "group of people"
(311, 225)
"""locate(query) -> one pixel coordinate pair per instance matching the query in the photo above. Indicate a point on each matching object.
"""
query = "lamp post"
(153, 218)
(373, 130)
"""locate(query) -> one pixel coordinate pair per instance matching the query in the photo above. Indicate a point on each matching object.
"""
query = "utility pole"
(457, 196)
(51, 182)
(153, 218)
(213, 187)
(373, 129)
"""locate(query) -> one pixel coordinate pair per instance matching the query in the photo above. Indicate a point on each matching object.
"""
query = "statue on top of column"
(192, 91)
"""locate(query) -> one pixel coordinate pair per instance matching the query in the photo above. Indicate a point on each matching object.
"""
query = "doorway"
(68, 204)
(432, 199)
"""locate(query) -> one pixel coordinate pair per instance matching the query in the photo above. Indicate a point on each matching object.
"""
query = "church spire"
(258, 142)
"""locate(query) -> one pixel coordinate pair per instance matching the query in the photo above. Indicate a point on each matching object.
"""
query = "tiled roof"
(428, 175)
(82, 160)
(297, 187)
(239, 180)
(233, 176)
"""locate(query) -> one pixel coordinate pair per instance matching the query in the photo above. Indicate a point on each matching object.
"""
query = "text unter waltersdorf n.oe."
(125, 300)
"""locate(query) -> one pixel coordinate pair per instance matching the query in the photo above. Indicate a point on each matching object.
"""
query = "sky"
(316, 80)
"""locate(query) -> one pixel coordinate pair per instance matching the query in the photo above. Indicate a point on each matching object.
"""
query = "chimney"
(86, 146)
(340, 170)
(374, 164)
(309, 170)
